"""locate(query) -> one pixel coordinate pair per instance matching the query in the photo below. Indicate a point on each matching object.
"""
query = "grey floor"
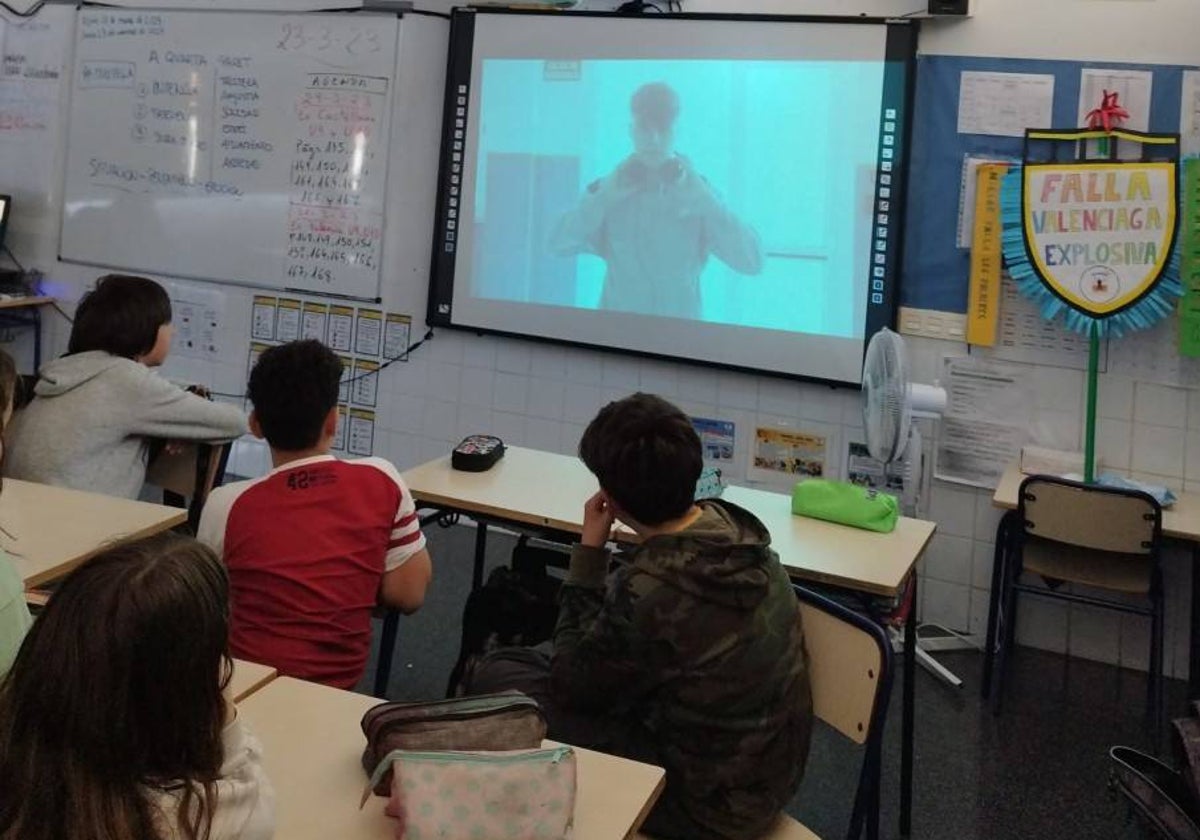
(1038, 771)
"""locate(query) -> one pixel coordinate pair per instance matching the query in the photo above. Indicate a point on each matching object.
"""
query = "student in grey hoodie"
(96, 409)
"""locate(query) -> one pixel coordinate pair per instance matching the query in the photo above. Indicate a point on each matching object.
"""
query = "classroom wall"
(542, 395)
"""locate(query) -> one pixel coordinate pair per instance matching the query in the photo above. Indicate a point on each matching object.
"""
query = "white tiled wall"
(542, 395)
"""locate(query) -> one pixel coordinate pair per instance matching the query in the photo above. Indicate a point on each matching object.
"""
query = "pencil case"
(477, 453)
(513, 795)
(488, 722)
(845, 504)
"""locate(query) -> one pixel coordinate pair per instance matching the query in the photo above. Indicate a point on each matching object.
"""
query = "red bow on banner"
(1109, 115)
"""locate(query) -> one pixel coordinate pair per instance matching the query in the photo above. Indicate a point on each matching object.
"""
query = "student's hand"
(598, 521)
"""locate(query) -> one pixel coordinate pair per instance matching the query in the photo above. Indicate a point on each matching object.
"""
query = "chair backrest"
(849, 666)
(1089, 515)
(190, 475)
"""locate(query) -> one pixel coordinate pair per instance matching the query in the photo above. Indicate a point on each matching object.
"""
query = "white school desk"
(312, 746)
(544, 492)
(51, 530)
(1180, 521)
(249, 677)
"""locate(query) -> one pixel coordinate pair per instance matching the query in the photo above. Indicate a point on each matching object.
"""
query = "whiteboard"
(248, 148)
(34, 59)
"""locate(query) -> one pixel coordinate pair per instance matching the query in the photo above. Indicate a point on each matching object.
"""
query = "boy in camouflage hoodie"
(691, 657)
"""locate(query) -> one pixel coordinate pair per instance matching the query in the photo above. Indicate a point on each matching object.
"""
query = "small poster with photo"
(783, 456)
(865, 471)
(716, 438)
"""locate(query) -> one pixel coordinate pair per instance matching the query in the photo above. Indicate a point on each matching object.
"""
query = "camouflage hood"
(722, 558)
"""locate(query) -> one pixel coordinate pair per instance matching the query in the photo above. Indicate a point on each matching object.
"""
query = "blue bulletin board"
(935, 270)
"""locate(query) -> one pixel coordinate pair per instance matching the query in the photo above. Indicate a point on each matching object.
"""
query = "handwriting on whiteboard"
(321, 38)
(339, 116)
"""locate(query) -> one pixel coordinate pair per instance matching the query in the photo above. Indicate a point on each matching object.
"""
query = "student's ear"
(255, 426)
(329, 429)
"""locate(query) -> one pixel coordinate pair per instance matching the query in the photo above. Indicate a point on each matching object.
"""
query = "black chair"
(1068, 534)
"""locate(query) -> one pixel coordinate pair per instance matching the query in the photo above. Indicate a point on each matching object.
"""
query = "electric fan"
(890, 401)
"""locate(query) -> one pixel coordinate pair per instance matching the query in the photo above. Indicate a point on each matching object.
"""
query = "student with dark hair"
(315, 545)
(96, 409)
(14, 615)
(690, 654)
(114, 720)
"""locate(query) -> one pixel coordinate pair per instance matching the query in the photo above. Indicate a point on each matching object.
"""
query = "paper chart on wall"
(1153, 356)
(344, 382)
(198, 316)
(987, 420)
(262, 318)
(361, 435)
(1189, 115)
(368, 332)
(1134, 87)
(364, 389)
(1025, 336)
(396, 335)
(341, 328)
(1004, 104)
(287, 322)
(315, 317)
(343, 424)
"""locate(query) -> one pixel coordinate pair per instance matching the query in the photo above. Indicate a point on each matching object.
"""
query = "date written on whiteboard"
(357, 40)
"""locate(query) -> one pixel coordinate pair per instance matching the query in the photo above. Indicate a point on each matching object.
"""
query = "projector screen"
(725, 190)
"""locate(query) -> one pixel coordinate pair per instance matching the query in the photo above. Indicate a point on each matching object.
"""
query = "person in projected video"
(655, 220)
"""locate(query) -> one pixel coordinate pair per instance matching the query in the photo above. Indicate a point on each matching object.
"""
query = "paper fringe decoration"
(1159, 303)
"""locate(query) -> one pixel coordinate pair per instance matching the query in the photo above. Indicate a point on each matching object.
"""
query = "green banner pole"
(1089, 452)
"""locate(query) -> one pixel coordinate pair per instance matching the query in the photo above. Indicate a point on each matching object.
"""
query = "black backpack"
(516, 607)
(1167, 800)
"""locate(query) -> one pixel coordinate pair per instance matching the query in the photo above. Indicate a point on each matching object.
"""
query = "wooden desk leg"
(1194, 638)
(480, 553)
(907, 714)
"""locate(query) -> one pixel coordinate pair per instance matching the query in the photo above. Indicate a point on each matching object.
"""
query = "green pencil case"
(845, 504)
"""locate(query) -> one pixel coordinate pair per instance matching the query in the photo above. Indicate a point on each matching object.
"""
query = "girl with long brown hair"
(14, 615)
(114, 724)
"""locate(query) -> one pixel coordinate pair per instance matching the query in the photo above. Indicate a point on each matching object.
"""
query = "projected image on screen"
(681, 189)
(720, 189)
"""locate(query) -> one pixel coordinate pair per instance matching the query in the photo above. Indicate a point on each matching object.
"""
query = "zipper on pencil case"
(552, 755)
(446, 710)
(469, 705)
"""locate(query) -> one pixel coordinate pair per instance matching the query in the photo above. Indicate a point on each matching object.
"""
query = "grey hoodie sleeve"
(160, 409)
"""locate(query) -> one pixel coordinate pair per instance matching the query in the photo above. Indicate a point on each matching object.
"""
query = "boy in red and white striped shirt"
(317, 543)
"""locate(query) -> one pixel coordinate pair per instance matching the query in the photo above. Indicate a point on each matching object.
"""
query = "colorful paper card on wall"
(313, 323)
(1189, 307)
(368, 333)
(287, 324)
(1100, 234)
(341, 328)
(983, 303)
(1094, 240)
(263, 320)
